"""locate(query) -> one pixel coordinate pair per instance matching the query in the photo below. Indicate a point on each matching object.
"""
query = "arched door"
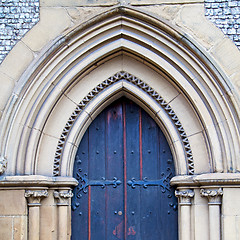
(124, 166)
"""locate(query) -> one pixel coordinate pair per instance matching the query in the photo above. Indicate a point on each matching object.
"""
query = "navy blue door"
(124, 166)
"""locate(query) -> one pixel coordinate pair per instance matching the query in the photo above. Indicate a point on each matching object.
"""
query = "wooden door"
(123, 166)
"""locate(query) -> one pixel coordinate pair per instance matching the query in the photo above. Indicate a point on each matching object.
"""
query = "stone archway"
(166, 62)
(191, 74)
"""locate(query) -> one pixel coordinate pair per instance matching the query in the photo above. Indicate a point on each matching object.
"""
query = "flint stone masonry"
(16, 18)
(19, 16)
(225, 14)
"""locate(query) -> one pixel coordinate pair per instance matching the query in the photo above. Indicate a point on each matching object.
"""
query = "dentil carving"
(120, 76)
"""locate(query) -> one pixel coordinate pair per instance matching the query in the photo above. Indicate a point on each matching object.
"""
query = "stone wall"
(226, 15)
(16, 18)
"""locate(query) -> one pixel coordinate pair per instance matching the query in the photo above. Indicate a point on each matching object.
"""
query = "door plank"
(80, 199)
(114, 143)
(96, 166)
(133, 170)
(149, 196)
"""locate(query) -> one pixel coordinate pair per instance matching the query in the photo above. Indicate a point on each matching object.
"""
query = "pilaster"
(185, 201)
(63, 197)
(34, 198)
(214, 196)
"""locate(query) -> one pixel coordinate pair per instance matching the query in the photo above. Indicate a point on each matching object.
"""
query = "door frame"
(83, 176)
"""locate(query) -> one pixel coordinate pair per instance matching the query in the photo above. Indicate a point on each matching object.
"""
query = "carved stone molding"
(62, 197)
(3, 165)
(34, 197)
(213, 195)
(99, 88)
(184, 196)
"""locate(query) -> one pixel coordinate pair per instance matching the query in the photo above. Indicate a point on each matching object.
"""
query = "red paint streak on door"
(131, 231)
(118, 230)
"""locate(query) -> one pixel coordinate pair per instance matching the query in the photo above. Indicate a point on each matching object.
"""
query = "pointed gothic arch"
(118, 85)
(121, 33)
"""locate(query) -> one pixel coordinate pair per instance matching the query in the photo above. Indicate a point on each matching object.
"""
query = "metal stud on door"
(124, 166)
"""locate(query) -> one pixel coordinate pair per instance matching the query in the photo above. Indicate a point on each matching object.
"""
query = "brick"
(229, 11)
(10, 14)
(232, 3)
(231, 31)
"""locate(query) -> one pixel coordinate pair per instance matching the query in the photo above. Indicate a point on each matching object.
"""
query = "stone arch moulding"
(206, 92)
(173, 125)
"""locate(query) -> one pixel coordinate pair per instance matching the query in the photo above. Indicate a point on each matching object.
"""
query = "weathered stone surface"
(14, 66)
(67, 3)
(191, 17)
(12, 202)
(227, 56)
(52, 23)
(230, 200)
(82, 14)
(7, 85)
(230, 228)
(20, 228)
(48, 219)
(168, 12)
(6, 228)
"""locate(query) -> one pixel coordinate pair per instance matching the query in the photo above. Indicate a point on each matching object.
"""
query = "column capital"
(213, 194)
(34, 197)
(63, 197)
(184, 196)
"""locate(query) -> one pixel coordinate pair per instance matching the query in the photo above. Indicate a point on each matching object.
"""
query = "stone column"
(214, 201)
(63, 202)
(184, 199)
(34, 198)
